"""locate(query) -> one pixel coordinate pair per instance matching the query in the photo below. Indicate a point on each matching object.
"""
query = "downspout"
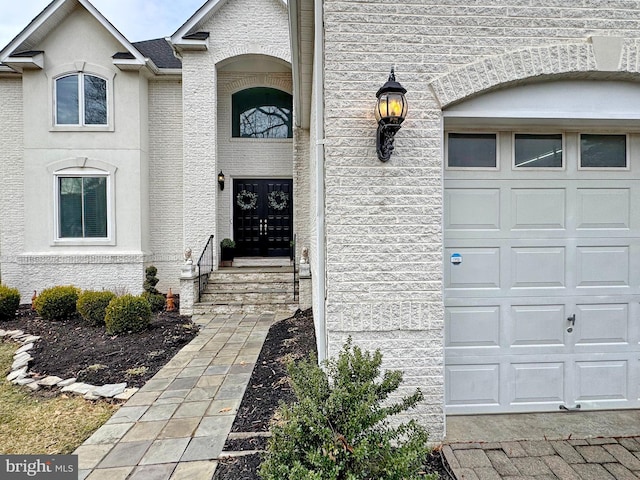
(318, 46)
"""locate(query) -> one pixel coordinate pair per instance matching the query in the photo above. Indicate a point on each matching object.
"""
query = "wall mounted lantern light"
(391, 110)
(221, 180)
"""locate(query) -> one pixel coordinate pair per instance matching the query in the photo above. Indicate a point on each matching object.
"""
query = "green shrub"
(156, 300)
(9, 301)
(127, 314)
(92, 305)
(57, 303)
(339, 428)
(227, 243)
(151, 280)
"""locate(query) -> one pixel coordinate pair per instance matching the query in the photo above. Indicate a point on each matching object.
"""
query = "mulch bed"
(290, 339)
(72, 348)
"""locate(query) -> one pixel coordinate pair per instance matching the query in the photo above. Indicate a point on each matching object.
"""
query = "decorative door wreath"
(278, 200)
(247, 200)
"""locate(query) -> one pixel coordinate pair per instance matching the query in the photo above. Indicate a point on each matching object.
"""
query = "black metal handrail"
(205, 266)
(295, 273)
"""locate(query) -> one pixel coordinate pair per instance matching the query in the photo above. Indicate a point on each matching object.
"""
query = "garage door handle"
(569, 409)
(572, 319)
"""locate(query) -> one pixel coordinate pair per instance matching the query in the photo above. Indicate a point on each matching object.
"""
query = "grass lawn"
(32, 425)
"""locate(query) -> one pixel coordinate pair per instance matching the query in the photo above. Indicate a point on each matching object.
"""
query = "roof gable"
(184, 35)
(54, 13)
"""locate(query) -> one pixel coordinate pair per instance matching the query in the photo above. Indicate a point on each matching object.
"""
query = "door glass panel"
(603, 151)
(538, 151)
(472, 150)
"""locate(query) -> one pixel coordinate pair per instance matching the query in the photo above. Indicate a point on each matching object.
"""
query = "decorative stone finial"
(187, 257)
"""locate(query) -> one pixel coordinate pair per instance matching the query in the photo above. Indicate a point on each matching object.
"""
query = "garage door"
(542, 271)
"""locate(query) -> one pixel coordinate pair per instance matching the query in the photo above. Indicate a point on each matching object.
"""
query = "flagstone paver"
(175, 426)
(575, 459)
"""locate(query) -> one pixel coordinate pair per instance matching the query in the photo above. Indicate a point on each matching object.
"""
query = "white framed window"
(81, 99)
(535, 151)
(83, 207)
(603, 151)
(262, 113)
(472, 151)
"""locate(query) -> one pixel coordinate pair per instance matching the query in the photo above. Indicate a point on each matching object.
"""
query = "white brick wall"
(118, 272)
(241, 157)
(384, 237)
(239, 28)
(12, 175)
(166, 177)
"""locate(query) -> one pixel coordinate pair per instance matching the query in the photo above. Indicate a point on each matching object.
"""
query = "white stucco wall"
(384, 220)
(80, 43)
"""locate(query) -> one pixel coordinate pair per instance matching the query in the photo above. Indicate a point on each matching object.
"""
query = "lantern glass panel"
(391, 106)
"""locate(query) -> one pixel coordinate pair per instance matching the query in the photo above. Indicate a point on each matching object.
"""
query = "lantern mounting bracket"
(384, 140)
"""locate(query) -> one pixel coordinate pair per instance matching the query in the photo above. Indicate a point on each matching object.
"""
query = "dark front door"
(262, 217)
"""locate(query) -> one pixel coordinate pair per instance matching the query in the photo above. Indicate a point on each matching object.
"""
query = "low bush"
(127, 314)
(9, 302)
(156, 300)
(339, 427)
(57, 303)
(92, 305)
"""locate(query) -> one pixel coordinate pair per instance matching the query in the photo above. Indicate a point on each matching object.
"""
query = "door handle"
(572, 319)
(263, 226)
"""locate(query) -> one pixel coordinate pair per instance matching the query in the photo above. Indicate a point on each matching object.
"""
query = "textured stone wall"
(166, 177)
(384, 238)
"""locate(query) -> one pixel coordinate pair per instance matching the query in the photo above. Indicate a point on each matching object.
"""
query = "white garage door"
(542, 271)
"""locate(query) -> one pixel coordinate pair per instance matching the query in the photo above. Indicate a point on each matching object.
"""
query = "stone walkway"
(175, 426)
(590, 459)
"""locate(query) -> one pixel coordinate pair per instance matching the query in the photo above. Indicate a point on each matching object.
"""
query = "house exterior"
(494, 258)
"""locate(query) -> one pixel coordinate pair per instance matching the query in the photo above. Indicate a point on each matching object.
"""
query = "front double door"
(263, 217)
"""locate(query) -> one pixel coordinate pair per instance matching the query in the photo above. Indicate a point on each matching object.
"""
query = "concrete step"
(248, 297)
(248, 287)
(251, 275)
(204, 308)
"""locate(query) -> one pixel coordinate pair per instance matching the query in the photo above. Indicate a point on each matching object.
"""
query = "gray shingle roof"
(159, 51)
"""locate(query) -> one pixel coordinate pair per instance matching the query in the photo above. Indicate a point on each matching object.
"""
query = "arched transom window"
(262, 112)
(81, 99)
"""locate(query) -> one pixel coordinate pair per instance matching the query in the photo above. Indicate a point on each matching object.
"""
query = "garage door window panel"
(533, 151)
(603, 151)
(472, 150)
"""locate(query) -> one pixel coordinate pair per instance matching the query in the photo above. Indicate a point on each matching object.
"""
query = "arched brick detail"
(517, 66)
(261, 80)
(252, 49)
